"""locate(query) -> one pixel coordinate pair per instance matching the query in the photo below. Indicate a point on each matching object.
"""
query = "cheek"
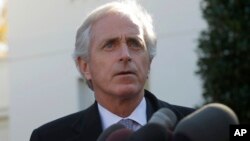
(100, 68)
(146, 62)
(144, 66)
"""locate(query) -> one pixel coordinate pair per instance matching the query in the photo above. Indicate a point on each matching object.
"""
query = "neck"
(120, 106)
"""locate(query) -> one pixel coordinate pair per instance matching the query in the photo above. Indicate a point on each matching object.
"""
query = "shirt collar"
(138, 115)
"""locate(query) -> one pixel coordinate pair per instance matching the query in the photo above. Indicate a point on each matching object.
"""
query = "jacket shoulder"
(180, 111)
(57, 129)
(60, 129)
(156, 104)
(63, 122)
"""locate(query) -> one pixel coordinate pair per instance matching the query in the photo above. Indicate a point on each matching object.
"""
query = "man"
(114, 49)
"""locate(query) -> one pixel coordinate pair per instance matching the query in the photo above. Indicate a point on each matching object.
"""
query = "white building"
(41, 78)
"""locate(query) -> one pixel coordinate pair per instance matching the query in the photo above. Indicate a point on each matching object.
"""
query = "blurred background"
(38, 78)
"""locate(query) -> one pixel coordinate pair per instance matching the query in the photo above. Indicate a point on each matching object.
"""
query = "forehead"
(115, 25)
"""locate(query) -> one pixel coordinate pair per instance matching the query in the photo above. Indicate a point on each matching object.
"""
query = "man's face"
(119, 61)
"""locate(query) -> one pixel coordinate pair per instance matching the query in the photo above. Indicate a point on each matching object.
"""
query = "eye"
(109, 44)
(134, 43)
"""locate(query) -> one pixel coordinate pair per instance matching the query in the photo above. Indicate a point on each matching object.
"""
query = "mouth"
(126, 73)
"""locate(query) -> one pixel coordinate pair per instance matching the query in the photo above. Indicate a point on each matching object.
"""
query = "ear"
(149, 68)
(84, 68)
(148, 73)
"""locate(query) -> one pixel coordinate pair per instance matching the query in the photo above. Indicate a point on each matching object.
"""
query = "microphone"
(150, 132)
(209, 123)
(164, 117)
(120, 135)
(158, 128)
(106, 133)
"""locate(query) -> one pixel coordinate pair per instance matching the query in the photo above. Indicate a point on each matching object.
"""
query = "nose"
(125, 54)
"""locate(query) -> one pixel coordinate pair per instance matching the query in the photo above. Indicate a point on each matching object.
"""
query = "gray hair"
(127, 8)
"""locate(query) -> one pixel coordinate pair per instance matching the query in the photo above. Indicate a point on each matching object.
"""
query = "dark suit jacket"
(86, 125)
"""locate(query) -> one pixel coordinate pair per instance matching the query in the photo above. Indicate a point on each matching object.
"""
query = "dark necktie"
(130, 124)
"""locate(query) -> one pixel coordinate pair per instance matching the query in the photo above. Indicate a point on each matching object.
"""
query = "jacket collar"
(88, 126)
(152, 104)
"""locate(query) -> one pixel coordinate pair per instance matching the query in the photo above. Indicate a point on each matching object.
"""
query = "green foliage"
(224, 55)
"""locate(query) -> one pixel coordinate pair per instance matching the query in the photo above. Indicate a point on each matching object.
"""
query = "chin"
(128, 91)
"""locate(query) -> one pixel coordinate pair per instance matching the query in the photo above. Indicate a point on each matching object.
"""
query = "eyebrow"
(135, 38)
(119, 38)
(109, 40)
(140, 40)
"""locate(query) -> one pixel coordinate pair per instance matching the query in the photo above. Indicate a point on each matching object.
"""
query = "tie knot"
(130, 124)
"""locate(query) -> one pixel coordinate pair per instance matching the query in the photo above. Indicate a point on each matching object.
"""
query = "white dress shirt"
(138, 115)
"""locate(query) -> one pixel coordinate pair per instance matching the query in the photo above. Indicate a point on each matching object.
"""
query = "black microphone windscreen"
(209, 123)
(109, 131)
(164, 117)
(120, 135)
(150, 132)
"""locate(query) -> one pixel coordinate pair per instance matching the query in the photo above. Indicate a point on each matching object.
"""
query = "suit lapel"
(89, 126)
(151, 104)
